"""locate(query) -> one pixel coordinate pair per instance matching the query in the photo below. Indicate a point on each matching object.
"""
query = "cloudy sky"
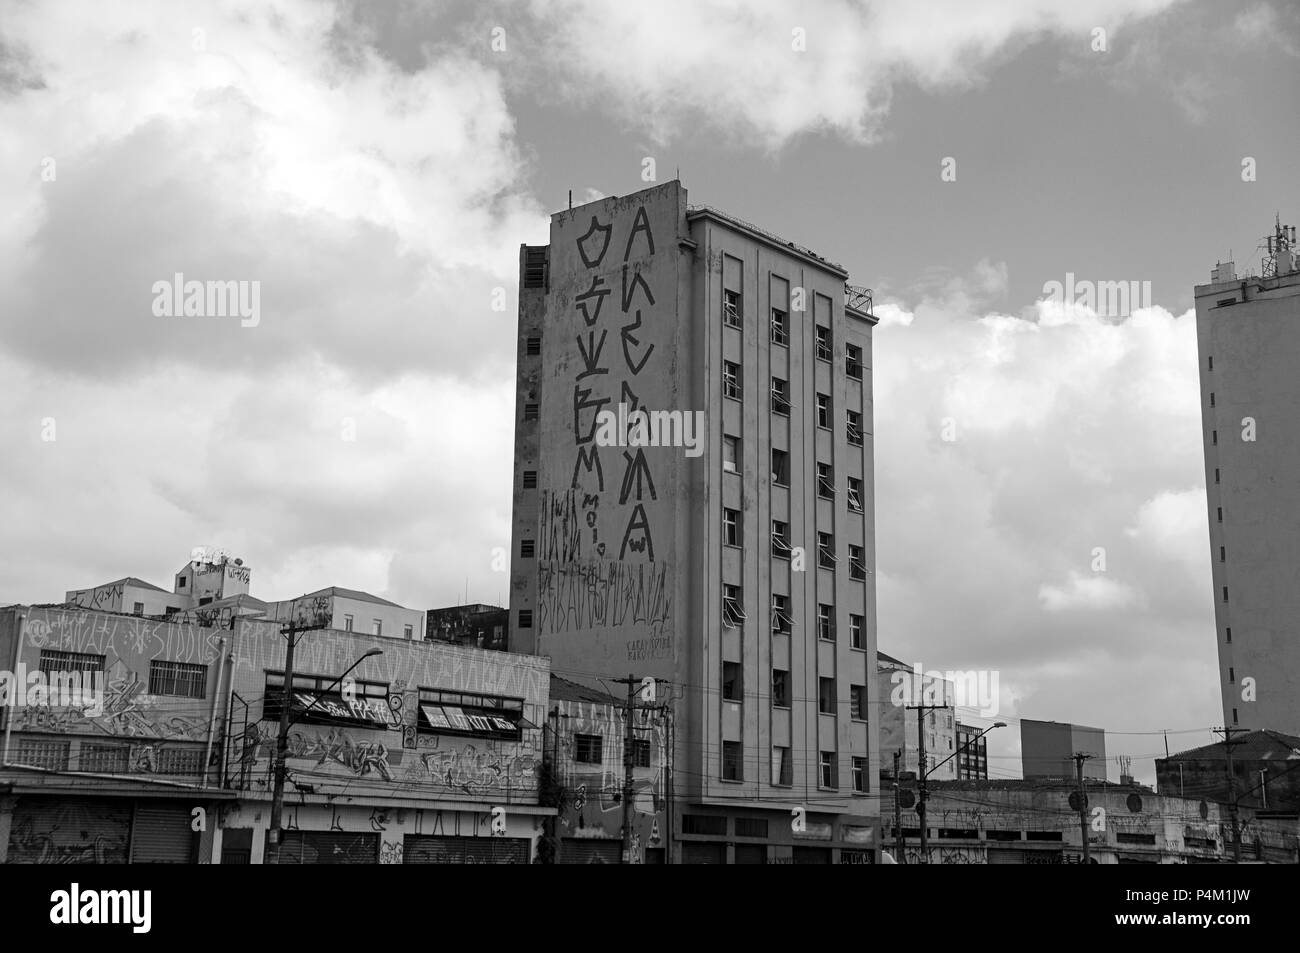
(376, 170)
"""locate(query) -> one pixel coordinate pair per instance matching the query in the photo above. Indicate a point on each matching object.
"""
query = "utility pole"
(922, 774)
(898, 810)
(281, 748)
(1228, 745)
(1079, 758)
(632, 683)
(292, 630)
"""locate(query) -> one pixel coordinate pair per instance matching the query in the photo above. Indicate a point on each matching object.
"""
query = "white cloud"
(1088, 593)
(736, 59)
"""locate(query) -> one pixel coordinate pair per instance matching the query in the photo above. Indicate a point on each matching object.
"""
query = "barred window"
(586, 749)
(38, 753)
(178, 678)
(55, 661)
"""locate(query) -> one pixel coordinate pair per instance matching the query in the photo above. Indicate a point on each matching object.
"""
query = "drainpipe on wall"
(13, 667)
(212, 712)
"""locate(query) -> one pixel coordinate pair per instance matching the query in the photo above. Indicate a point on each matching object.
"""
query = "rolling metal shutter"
(583, 850)
(694, 852)
(328, 847)
(69, 830)
(160, 834)
(430, 849)
(1005, 856)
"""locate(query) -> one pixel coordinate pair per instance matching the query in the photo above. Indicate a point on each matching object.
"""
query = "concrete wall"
(379, 763)
(1253, 338)
(122, 597)
(898, 687)
(1047, 749)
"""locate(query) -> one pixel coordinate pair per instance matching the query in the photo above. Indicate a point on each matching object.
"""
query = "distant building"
(973, 754)
(1263, 769)
(1248, 336)
(899, 685)
(1032, 822)
(1047, 749)
(352, 610)
(482, 626)
(585, 761)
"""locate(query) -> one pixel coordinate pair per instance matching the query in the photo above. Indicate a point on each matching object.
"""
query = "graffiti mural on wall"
(121, 636)
(598, 567)
(128, 712)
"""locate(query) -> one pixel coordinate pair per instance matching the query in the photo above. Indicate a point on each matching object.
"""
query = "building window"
(828, 778)
(1232, 676)
(525, 618)
(530, 411)
(858, 702)
(586, 748)
(780, 397)
(825, 481)
(102, 758)
(780, 327)
(857, 632)
(39, 753)
(1216, 474)
(855, 428)
(733, 309)
(781, 621)
(826, 550)
(780, 539)
(704, 825)
(83, 662)
(376, 627)
(731, 380)
(826, 695)
(530, 479)
(857, 563)
(1211, 398)
(640, 753)
(1214, 437)
(733, 607)
(1223, 554)
(408, 631)
(731, 682)
(178, 678)
(853, 361)
(347, 623)
(823, 343)
(730, 453)
(179, 761)
(825, 622)
(1220, 514)
(780, 468)
(782, 767)
(732, 767)
(180, 583)
(1228, 632)
(731, 527)
(1234, 716)
(824, 411)
(855, 494)
(526, 548)
(860, 775)
(138, 608)
(1225, 594)
(780, 688)
(533, 347)
(1211, 365)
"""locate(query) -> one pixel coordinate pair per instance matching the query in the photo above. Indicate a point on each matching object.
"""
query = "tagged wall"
(607, 514)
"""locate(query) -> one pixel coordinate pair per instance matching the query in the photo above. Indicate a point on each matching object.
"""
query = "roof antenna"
(570, 200)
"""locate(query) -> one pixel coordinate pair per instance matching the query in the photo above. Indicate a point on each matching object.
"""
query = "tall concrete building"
(723, 543)
(1248, 335)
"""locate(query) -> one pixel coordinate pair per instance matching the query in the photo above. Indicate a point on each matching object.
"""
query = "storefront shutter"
(161, 834)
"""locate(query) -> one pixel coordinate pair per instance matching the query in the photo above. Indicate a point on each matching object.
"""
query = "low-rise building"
(900, 686)
(972, 754)
(1048, 749)
(1264, 775)
(482, 626)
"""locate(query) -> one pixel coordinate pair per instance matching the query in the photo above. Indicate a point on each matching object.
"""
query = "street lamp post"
(922, 774)
(282, 741)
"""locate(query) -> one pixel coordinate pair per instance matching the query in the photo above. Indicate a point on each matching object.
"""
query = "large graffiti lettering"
(576, 596)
